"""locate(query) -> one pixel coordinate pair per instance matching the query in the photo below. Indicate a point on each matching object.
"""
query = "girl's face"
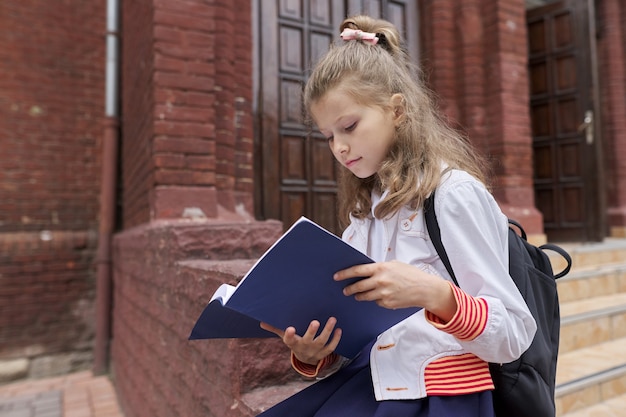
(359, 136)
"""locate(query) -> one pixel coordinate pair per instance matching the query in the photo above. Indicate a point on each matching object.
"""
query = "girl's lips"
(352, 162)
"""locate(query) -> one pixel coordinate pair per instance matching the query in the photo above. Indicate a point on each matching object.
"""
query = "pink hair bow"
(359, 35)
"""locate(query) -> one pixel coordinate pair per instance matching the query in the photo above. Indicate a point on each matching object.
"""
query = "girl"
(382, 128)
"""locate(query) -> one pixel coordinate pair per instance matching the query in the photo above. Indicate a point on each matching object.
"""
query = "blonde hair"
(371, 74)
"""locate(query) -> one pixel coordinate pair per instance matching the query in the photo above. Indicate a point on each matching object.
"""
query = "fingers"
(272, 329)
(357, 271)
(332, 345)
(288, 335)
(362, 290)
(311, 347)
(327, 331)
(311, 331)
(361, 286)
(311, 334)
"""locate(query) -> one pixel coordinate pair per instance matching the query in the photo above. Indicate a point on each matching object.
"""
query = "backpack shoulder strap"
(432, 225)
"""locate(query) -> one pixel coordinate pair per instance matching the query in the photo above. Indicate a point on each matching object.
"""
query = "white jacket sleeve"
(474, 232)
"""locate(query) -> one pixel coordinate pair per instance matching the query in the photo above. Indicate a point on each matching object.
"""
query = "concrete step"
(593, 360)
(592, 281)
(585, 323)
(615, 407)
(590, 255)
(590, 375)
(591, 370)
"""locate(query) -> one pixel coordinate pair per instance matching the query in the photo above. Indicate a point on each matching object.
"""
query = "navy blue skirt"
(349, 392)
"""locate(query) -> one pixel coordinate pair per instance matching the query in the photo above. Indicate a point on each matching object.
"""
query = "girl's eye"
(351, 127)
(330, 139)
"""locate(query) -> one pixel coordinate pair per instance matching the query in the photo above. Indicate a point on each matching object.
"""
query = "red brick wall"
(184, 142)
(137, 110)
(46, 300)
(475, 58)
(612, 69)
(51, 107)
(233, 50)
(187, 142)
(51, 104)
(187, 89)
(164, 275)
(244, 126)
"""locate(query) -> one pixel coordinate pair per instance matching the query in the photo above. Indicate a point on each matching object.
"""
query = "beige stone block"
(12, 370)
(580, 399)
(613, 388)
(620, 276)
(618, 324)
(567, 291)
(584, 334)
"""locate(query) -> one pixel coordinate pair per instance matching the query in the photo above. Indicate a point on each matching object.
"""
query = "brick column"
(187, 87)
(439, 54)
(244, 119)
(510, 140)
(233, 93)
(185, 145)
(188, 130)
(612, 63)
(475, 56)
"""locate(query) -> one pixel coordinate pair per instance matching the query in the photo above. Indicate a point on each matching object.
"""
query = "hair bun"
(382, 40)
(388, 35)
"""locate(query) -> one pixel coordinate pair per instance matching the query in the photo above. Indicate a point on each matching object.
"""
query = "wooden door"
(296, 173)
(564, 114)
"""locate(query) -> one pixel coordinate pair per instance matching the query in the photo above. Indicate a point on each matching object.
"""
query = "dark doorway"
(564, 111)
(296, 174)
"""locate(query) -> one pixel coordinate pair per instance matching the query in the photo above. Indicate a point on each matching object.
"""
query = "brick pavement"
(79, 394)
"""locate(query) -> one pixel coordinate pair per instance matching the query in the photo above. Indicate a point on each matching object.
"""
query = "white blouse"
(474, 232)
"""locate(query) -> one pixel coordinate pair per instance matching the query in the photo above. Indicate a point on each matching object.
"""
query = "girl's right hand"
(309, 348)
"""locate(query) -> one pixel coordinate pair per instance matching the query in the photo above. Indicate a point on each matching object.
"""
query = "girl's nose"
(340, 146)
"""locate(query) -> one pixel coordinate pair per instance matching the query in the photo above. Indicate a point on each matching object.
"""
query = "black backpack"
(525, 387)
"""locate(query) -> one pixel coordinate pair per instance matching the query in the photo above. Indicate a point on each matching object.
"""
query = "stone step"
(590, 255)
(585, 323)
(593, 302)
(590, 375)
(591, 370)
(592, 281)
(614, 407)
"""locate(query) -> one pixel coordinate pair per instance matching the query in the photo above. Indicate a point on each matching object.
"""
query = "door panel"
(295, 171)
(293, 35)
(561, 93)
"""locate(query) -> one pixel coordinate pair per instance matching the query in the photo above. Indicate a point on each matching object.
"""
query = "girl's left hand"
(399, 285)
(311, 347)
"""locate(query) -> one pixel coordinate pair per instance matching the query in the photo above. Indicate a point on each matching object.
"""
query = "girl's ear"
(397, 104)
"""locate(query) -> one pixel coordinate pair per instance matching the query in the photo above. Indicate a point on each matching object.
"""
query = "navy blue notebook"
(292, 284)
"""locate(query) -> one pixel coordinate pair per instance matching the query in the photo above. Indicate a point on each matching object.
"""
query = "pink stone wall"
(165, 274)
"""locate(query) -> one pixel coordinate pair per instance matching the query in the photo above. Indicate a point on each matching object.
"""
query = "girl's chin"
(361, 174)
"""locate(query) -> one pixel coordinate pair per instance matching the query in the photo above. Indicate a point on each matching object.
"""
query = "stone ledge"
(201, 239)
(261, 399)
(12, 370)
